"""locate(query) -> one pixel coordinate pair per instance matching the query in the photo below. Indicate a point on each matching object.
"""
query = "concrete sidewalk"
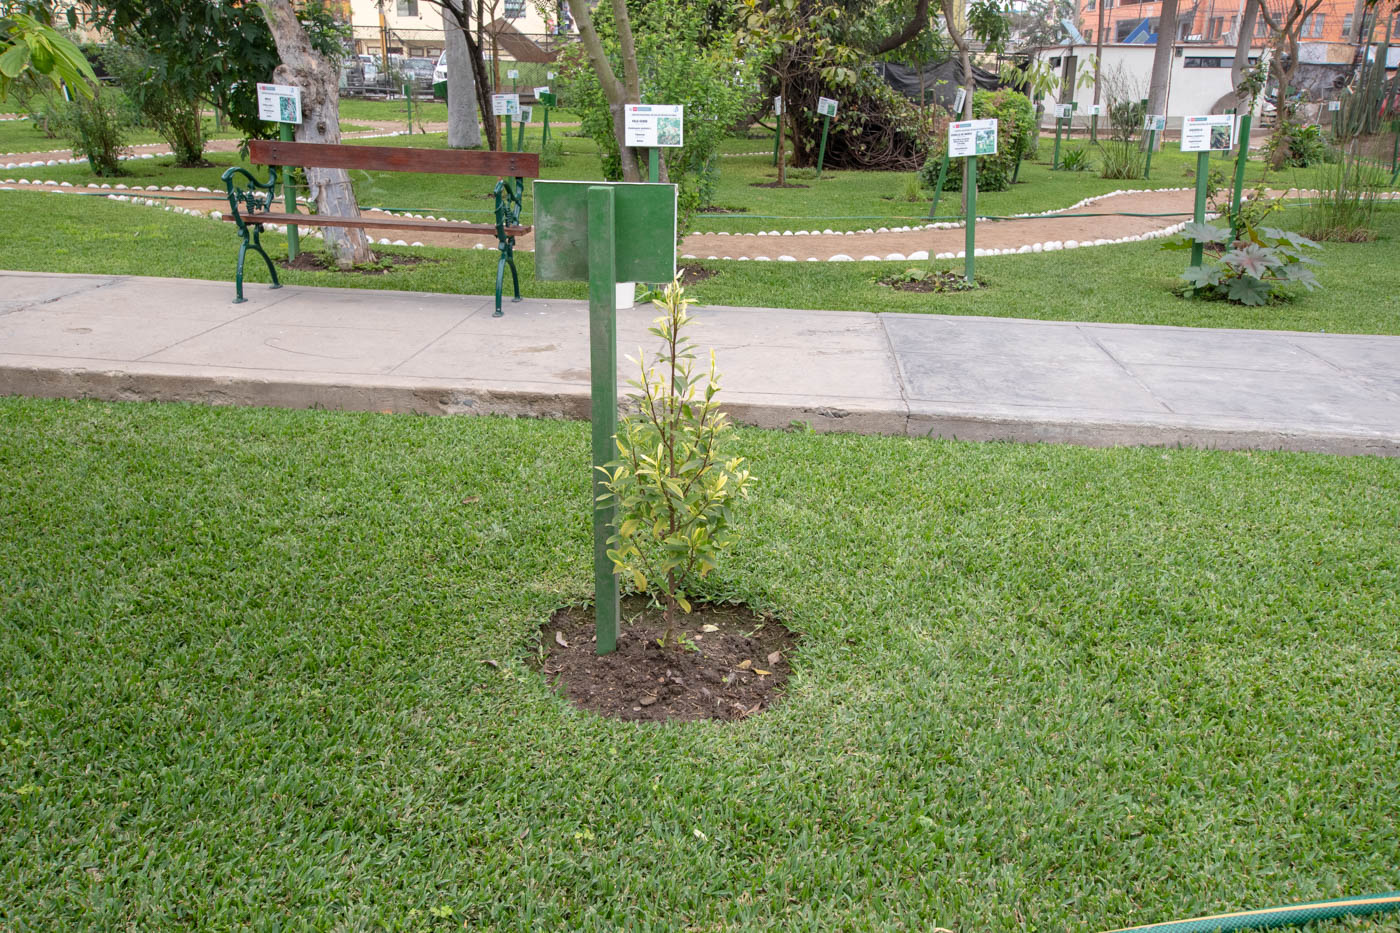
(122, 338)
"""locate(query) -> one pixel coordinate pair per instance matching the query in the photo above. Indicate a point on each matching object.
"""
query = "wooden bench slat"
(377, 223)
(395, 159)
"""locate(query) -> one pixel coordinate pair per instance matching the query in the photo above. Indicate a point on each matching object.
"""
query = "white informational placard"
(972, 138)
(959, 99)
(778, 106)
(513, 73)
(549, 76)
(505, 105)
(826, 106)
(1094, 110)
(1334, 105)
(654, 125)
(1064, 112)
(1213, 132)
(525, 113)
(541, 91)
(279, 103)
(1155, 121)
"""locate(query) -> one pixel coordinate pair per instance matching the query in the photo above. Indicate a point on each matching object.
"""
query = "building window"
(1205, 61)
(1089, 7)
(1089, 35)
(515, 9)
(1261, 28)
(407, 7)
(1312, 27)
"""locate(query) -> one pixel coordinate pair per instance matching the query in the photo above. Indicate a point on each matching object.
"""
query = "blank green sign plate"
(645, 234)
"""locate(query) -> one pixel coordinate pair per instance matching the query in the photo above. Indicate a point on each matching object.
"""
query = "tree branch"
(916, 25)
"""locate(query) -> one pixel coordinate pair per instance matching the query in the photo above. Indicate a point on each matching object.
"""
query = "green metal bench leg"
(238, 298)
(500, 279)
(243, 248)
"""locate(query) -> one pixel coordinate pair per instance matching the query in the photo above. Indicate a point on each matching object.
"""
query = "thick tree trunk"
(463, 130)
(1243, 43)
(1162, 59)
(320, 123)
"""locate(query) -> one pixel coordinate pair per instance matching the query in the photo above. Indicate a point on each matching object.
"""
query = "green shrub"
(1122, 156)
(1345, 206)
(96, 127)
(1304, 145)
(672, 483)
(1254, 269)
(552, 155)
(1076, 159)
(1015, 131)
(161, 99)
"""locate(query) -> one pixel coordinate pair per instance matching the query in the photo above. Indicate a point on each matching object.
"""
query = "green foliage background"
(1015, 137)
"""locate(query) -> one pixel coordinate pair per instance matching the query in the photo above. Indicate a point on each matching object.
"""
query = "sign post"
(1062, 111)
(777, 127)
(1094, 111)
(654, 127)
(547, 100)
(1240, 161)
(1335, 108)
(1154, 123)
(938, 188)
(408, 102)
(826, 106)
(968, 140)
(514, 75)
(603, 232)
(281, 103)
(506, 105)
(1204, 135)
(525, 114)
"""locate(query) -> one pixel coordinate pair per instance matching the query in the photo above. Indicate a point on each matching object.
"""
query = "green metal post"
(510, 137)
(777, 136)
(520, 135)
(408, 100)
(1055, 165)
(289, 197)
(1226, 154)
(938, 188)
(1395, 154)
(821, 153)
(653, 165)
(1094, 130)
(1202, 175)
(970, 247)
(602, 338)
(1240, 161)
(1151, 144)
(544, 139)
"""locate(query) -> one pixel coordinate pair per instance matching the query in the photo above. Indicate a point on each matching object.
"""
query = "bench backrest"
(395, 159)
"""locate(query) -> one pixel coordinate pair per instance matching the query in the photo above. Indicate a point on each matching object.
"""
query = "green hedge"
(1015, 136)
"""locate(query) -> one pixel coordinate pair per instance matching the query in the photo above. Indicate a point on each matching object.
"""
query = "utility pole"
(383, 39)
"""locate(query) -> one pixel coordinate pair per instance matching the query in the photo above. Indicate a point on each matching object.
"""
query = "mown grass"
(22, 136)
(1038, 688)
(396, 111)
(1131, 283)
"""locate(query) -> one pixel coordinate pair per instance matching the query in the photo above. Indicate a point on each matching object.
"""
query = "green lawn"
(1130, 283)
(1039, 687)
(423, 111)
(23, 137)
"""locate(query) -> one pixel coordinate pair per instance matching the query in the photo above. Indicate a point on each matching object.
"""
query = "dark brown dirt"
(692, 274)
(774, 184)
(322, 262)
(730, 673)
(934, 282)
(716, 209)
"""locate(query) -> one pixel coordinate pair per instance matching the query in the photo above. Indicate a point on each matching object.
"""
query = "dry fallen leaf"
(761, 672)
(774, 657)
(488, 662)
(471, 499)
(745, 664)
(559, 640)
(709, 628)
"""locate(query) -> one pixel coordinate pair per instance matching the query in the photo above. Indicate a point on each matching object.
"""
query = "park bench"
(252, 200)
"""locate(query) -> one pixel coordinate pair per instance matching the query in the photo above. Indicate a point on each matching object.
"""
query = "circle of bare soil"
(692, 274)
(774, 184)
(731, 663)
(322, 262)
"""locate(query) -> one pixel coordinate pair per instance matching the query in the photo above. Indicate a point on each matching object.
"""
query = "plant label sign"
(1094, 110)
(1155, 121)
(541, 91)
(826, 106)
(959, 99)
(777, 106)
(1209, 133)
(649, 126)
(1064, 112)
(972, 138)
(525, 113)
(505, 105)
(513, 73)
(279, 103)
(1334, 105)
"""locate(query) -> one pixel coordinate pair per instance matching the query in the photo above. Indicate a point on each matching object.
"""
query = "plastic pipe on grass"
(1268, 917)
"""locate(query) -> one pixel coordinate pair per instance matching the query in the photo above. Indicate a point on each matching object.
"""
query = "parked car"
(370, 65)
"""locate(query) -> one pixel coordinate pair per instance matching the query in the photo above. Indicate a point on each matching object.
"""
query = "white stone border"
(40, 163)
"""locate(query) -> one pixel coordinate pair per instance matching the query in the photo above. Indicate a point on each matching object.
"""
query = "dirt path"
(1110, 218)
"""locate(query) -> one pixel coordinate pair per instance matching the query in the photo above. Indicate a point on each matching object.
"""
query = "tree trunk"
(320, 123)
(1162, 59)
(1098, 49)
(483, 82)
(1242, 46)
(463, 130)
(613, 90)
